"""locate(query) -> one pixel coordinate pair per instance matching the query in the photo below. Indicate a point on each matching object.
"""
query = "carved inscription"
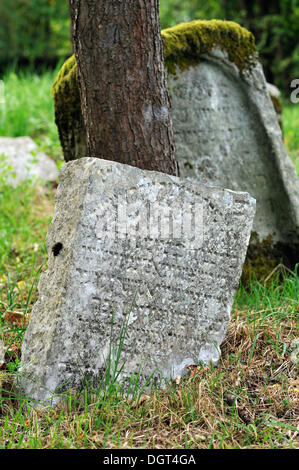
(226, 134)
(169, 282)
(173, 299)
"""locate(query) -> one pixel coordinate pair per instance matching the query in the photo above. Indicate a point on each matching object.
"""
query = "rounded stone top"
(185, 43)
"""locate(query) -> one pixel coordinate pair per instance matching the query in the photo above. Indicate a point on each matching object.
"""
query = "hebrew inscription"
(227, 134)
(170, 277)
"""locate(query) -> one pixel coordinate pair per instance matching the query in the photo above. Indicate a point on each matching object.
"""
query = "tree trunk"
(124, 99)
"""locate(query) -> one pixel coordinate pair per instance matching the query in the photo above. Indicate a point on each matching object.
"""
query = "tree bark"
(124, 99)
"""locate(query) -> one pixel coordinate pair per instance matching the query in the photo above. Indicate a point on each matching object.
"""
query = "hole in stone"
(57, 249)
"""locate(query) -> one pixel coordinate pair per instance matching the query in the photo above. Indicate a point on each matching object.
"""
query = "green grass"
(28, 110)
(250, 400)
(291, 132)
(25, 215)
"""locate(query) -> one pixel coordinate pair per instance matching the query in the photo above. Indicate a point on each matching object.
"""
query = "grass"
(250, 400)
(26, 108)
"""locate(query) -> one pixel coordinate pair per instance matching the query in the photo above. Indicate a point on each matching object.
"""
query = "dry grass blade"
(281, 267)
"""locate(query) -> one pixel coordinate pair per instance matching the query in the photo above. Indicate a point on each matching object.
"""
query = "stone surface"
(179, 279)
(27, 163)
(2, 353)
(227, 134)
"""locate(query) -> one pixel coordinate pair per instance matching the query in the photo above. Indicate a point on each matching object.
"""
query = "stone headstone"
(227, 134)
(162, 252)
(21, 154)
(225, 126)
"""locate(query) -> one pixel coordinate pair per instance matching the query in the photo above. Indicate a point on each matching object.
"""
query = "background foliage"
(33, 31)
(274, 23)
(37, 31)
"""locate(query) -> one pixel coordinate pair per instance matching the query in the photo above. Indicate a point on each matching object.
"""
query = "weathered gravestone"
(226, 130)
(121, 236)
(227, 134)
(22, 156)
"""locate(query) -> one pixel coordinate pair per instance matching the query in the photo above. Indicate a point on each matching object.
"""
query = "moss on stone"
(65, 90)
(260, 260)
(184, 44)
(68, 114)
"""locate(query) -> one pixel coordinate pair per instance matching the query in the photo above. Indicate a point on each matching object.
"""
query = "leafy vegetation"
(34, 31)
(39, 32)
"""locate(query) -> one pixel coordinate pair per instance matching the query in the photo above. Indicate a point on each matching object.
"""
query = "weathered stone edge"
(45, 325)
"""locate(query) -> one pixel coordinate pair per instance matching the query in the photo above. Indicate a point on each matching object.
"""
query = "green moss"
(65, 90)
(68, 114)
(260, 260)
(184, 44)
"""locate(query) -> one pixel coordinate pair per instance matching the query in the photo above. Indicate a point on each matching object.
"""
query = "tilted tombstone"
(226, 130)
(227, 134)
(162, 252)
